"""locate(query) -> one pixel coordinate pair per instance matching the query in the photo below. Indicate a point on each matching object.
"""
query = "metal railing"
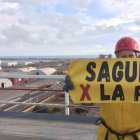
(66, 104)
(59, 77)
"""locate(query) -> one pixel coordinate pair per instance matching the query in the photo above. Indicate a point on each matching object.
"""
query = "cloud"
(36, 2)
(82, 3)
(38, 26)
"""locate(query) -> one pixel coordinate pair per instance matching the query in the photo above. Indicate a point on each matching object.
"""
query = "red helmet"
(127, 43)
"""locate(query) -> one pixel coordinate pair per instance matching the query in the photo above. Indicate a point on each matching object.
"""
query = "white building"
(5, 83)
(12, 64)
(27, 69)
(43, 71)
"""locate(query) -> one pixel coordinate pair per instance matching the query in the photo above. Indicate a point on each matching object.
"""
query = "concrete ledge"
(48, 116)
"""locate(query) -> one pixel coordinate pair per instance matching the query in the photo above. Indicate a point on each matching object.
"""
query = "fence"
(60, 77)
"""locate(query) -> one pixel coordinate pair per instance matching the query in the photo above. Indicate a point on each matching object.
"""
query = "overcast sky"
(66, 27)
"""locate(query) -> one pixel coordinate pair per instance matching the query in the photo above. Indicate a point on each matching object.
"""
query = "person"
(118, 121)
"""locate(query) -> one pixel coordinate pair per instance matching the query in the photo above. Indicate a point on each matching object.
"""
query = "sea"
(51, 57)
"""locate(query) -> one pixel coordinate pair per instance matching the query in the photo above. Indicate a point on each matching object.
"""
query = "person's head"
(127, 47)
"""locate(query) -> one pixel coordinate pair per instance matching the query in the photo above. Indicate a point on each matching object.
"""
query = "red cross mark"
(85, 93)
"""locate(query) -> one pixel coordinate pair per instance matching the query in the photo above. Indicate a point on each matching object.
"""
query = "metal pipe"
(67, 111)
(33, 89)
(46, 104)
(15, 75)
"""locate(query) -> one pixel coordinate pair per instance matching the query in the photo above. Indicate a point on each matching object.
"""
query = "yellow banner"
(105, 80)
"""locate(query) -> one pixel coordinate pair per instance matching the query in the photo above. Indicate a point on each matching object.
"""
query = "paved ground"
(27, 129)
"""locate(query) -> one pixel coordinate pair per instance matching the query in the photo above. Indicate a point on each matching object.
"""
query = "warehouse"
(43, 71)
(5, 83)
